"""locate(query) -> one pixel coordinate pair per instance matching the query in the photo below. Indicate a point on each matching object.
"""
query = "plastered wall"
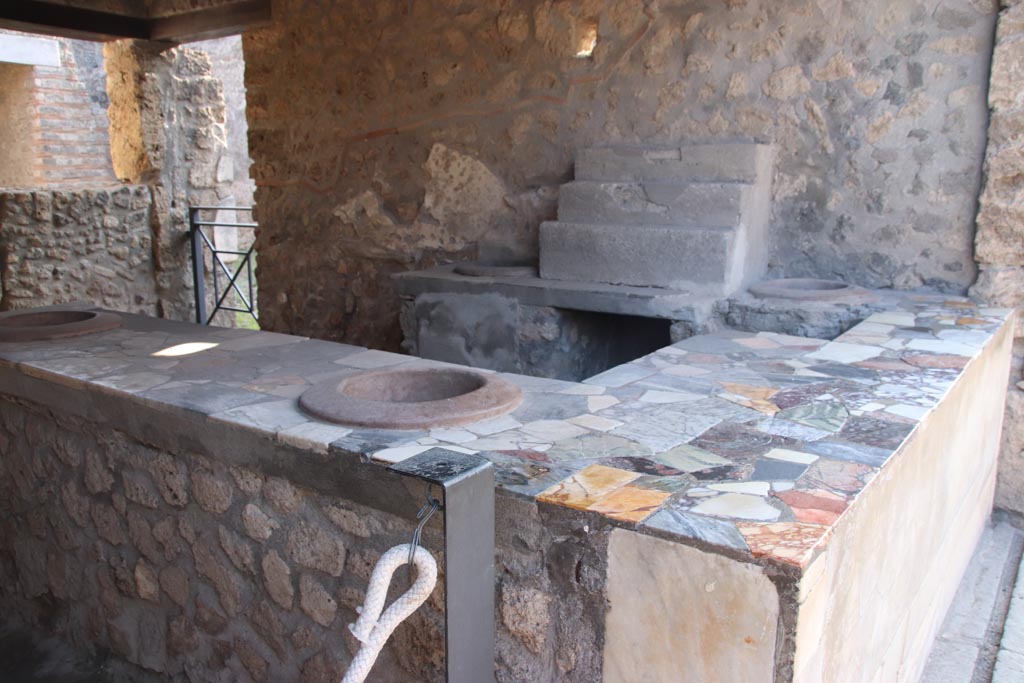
(394, 135)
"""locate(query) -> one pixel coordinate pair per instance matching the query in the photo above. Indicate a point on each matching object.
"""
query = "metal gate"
(225, 271)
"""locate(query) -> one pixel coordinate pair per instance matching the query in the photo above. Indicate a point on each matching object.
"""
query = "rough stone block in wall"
(180, 566)
(999, 242)
(61, 246)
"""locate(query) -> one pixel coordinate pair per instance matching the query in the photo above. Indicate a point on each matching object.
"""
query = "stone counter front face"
(180, 565)
(799, 471)
(675, 609)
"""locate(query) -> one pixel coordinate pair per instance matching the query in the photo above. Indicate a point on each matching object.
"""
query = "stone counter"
(726, 493)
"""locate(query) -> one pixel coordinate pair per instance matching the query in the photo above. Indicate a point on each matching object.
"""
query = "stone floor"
(982, 638)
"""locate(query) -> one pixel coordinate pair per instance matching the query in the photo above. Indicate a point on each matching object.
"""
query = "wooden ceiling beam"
(212, 22)
(33, 16)
(36, 16)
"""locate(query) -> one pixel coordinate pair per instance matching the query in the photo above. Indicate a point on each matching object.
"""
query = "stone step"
(655, 203)
(705, 260)
(740, 162)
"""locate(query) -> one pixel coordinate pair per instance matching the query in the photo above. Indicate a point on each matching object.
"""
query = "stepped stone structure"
(692, 217)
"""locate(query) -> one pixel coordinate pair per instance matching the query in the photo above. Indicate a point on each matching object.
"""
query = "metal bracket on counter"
(467, 483)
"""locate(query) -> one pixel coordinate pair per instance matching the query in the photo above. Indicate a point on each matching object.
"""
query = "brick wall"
(55, 120)
(71, 136)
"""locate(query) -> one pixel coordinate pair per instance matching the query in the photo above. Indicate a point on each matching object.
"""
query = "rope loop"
(375, 624)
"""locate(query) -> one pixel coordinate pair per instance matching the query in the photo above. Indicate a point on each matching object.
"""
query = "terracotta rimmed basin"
(43, 324)
(809, 289)
(488, 269)
(411, 398)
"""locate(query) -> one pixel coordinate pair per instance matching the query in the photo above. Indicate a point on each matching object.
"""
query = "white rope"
(372, 628)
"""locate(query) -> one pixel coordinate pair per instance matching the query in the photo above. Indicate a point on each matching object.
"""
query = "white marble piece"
(681, 614)
(791, 456)
(662, 362)
(133, 382)
(86, 367)
(864, 339)
(895, 344)
(400, 453)
(621, 375)
(453, 435)
(374, 359)
(494, 425)
(597, 403)
(427, 441)
(873, 406)
(754, 488)
(686, 371)
(738, 506)
(973, 338)
(595, 422)
(583, 390)
(904, 410)
(666, 429)
(461, 449)
(316, 436)
(757, 342)
(941, 346)
(494, 443)
(260, 341)
(656, 396)
(897, 318)
(791, 340)
(888, 390)
(841, 352)
(782, 485)
(793, 430)
(272, 416)
(552, 430)
(872, 327)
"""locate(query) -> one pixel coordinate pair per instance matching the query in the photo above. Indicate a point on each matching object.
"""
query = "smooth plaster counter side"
(864, 608)
(868, 607)
(871, 615)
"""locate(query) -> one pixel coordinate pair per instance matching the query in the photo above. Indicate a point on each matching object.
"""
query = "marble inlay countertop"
(753, 443)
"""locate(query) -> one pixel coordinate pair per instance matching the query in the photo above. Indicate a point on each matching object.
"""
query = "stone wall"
(999, 246)
(16, 163)
(227, 65)
(176, 563)
(62, 246)
(167, 115)
(68, 237)
(375, 153)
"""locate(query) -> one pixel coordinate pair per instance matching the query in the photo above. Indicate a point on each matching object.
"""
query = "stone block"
(316, 547)
(277, 577)
(696, 259)
(714, 162)
(695, 205)
(316, 601)
(676, 609)
(213, 493)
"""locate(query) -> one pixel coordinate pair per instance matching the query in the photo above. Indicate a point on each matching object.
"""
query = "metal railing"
(222, 268)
